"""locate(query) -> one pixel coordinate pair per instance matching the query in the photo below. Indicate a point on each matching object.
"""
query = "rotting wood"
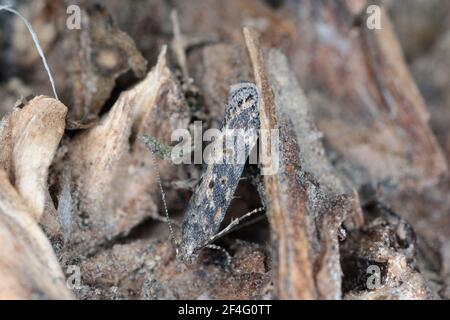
(287, 219)
(365, 99)
(301, 208)
(101, 52)
(374, 125)
(28, 139)
(109, 172)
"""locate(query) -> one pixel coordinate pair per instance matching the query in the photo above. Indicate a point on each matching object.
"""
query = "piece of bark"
(29, 139)
(9, 94)
(432, 73)
(366, 102)
(233, 16)
(292, 262)
(215, 68)
(431, 20)
(428, 209)
(100, 53)
(306, 201)
(144, 18)
(387, 244)
(28, 266)
(331, 199)
(110, 173)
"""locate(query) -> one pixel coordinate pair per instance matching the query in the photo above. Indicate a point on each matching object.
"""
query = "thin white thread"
(36, 43)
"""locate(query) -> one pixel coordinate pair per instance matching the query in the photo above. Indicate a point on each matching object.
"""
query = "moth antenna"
(163, 194)
(36, 43)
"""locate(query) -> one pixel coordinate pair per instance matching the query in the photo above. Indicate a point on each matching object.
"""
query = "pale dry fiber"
(107, 179)
(28, 138)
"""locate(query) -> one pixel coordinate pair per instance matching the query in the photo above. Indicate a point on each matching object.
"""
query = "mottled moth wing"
(210, 201)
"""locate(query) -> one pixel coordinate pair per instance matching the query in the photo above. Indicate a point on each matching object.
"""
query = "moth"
(213, 194)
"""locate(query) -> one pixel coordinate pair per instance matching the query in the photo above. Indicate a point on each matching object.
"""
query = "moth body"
(212, 197)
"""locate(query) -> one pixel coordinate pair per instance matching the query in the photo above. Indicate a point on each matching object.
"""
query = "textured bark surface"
(29, 137)
(363, 151)
(108, 173)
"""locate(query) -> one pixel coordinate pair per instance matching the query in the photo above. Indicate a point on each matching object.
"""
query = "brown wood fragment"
(286, 216)
(233, 16)
(353, 125)
(109, 172)
(29, 139)
(101, 52)
(366, 102)
(387, 244)
(28, 266)
(307, 200)
(215, 68)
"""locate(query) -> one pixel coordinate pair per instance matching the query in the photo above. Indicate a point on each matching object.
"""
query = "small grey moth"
(212, 197)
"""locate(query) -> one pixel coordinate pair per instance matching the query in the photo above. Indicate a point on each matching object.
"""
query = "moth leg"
(224, 251)
(226, 230)
(234, 223)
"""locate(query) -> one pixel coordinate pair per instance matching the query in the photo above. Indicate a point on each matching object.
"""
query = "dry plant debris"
(29, 139)
(362, 184)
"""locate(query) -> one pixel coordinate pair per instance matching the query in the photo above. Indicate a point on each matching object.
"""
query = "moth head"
(187, 254)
